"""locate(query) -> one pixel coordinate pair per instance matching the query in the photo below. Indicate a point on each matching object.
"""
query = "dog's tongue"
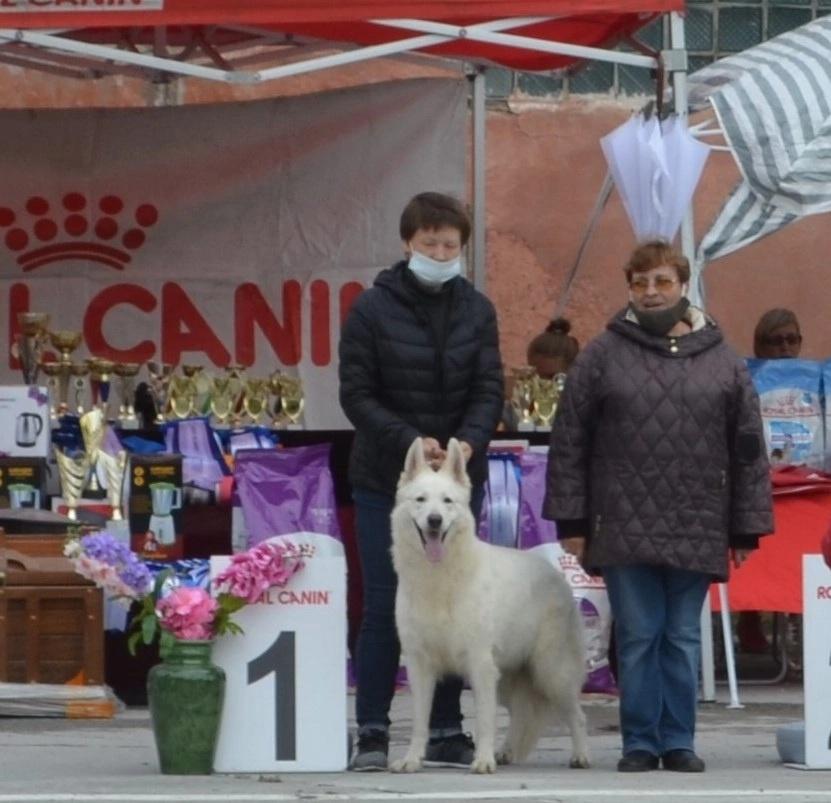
(434, 549)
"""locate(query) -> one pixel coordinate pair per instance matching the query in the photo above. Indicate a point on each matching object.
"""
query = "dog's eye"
(421, 498)
(448, 500)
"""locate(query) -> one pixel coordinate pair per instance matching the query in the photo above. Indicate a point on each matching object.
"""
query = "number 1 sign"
(285, 693)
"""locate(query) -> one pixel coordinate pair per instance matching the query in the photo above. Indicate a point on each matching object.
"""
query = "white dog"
(501, 618)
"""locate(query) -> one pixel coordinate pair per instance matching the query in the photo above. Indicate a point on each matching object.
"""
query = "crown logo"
(77, 228)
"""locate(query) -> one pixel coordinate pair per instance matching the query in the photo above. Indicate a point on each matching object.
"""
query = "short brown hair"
(432, 210)
(555, 341)
(770, 321)
(653, 254)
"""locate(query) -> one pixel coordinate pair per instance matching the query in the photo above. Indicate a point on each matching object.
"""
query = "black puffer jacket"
(397, 382)
(657, 444)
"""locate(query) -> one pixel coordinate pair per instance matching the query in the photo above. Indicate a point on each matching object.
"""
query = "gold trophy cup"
(79, 370)
(522, 398)
(65, 341)
(222, 400)
(92, 430)
(126, 373)
(160, 376)
(73, 475)
(545, 401)
(30, 340)
(255, 398)
(291, 399)
(182, 395)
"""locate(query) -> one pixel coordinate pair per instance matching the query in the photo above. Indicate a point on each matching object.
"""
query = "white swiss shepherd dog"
(502, 618)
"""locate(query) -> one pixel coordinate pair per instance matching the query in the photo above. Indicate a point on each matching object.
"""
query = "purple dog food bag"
(540, 535)
(283, 491)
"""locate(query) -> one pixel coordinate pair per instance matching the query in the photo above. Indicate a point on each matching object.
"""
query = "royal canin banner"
(216, 235)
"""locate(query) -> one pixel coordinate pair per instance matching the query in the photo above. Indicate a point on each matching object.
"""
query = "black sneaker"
(371, 752)
(450, 751)
(638, 761)
(682, 761)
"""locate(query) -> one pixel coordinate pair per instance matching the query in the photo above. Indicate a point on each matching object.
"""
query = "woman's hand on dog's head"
(433, 453)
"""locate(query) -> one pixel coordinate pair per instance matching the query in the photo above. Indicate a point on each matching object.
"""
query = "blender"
(165, 498)
(22, 495)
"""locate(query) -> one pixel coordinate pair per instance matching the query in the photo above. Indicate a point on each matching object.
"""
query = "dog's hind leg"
(422, 682)
(483, 679)
(574, 717)
(529, 712)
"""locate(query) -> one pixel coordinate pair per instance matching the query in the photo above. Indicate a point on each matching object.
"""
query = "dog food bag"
(284, 491)
(540, 535)
(498, 521)
(826, 398)
(790, 401)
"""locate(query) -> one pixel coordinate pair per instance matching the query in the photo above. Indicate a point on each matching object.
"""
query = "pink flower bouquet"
(171, 611)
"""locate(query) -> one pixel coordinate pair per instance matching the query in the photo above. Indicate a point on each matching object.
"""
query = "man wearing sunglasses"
(656, 473)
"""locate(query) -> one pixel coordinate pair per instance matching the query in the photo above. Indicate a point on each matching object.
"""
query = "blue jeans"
(657, 614)
(378, 650)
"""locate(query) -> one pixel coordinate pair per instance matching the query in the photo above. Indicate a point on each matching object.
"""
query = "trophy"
(255, 398)
(545, 396)
(100, 374)
(73, 475)
(201, 388)
(30, 340)
(79, 370)
(275, 388)
(291, 399)
(222, 400)
(65, 341)
(522, 398)
(92, 430)
(160, 376)
(182, 395)
(52, 370)
(126, 373)
(114, 469)
(236, 373)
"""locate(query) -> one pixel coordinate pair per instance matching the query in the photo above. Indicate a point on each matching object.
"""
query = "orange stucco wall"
(544, 170)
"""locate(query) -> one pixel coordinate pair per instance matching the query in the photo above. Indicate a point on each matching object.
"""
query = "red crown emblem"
(77, 229)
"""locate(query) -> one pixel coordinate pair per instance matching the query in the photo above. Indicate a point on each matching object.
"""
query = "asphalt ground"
(115, 760)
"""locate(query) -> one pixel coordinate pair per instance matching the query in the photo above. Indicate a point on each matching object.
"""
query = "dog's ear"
(454, 463)
(414, 461)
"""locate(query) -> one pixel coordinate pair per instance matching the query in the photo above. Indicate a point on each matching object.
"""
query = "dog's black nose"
(434, 521)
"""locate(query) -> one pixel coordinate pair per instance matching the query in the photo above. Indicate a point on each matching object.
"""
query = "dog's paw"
(504, 756)
(406, 764)
(483, 765)
(579, 762)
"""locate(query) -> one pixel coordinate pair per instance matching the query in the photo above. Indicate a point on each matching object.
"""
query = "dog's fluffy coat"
(501, 618)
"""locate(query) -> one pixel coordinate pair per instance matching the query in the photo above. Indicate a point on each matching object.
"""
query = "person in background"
(657, 476)
(553, 351)
(419, 357)
(777, 336)
(550, 353)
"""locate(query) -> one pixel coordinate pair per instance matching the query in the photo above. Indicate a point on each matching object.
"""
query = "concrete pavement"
(114, 760)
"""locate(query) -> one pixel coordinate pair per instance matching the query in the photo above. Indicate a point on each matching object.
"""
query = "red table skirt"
(771, 578)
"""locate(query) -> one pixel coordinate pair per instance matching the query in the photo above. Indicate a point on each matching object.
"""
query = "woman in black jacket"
(419, 357)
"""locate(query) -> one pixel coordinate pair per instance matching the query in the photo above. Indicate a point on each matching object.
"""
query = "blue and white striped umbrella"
(773, 103)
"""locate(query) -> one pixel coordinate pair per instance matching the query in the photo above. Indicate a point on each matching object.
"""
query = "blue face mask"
(432, 272)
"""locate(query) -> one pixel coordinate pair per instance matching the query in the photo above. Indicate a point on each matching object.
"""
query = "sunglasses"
(780, 340)
(640, 284)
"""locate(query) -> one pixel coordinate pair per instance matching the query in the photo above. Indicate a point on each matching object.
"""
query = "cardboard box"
(22, 482)
(24, 411)
(155, 506)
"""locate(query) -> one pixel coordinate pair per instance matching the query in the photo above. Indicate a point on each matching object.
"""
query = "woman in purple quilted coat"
(657, 474)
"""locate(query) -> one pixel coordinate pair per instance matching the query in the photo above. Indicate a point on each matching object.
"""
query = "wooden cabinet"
(51, 619)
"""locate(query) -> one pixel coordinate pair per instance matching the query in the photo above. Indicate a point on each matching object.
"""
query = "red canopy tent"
(88, 37)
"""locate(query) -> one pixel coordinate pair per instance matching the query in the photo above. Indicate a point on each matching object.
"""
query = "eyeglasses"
(779, 340)
(640, 284)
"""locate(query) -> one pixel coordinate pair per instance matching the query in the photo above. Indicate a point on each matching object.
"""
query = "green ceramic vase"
(185, 694)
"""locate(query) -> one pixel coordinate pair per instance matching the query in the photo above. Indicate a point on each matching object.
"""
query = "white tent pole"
(676, 61)
(479, 154)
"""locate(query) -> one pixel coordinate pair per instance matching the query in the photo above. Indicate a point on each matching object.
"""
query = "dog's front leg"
(422, 682)
(484, 677)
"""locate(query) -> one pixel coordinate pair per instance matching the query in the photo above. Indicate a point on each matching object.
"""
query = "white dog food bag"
(540, 535)
(791, 405)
